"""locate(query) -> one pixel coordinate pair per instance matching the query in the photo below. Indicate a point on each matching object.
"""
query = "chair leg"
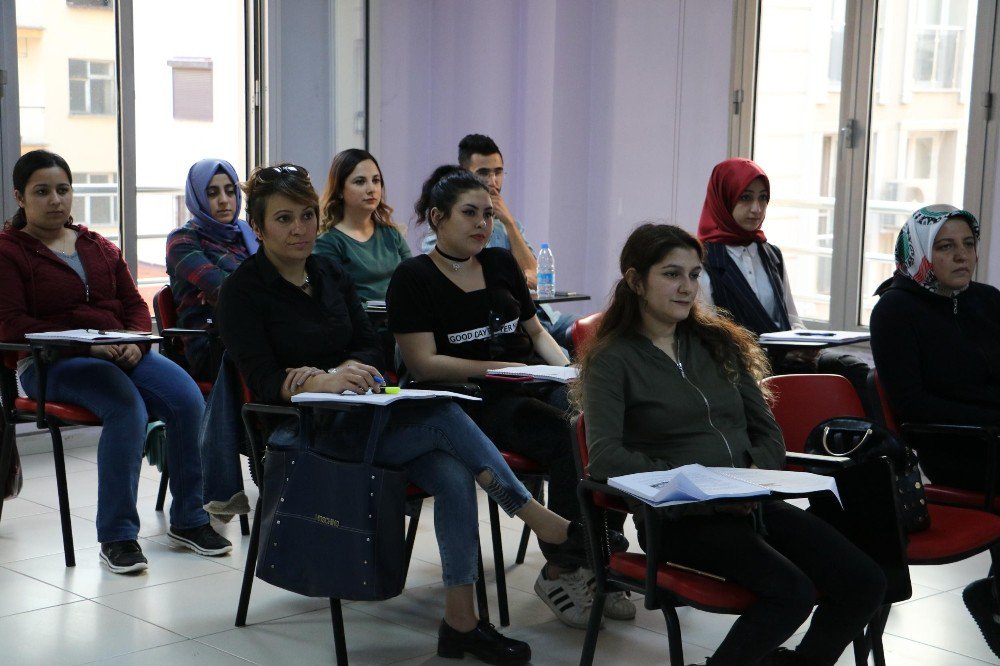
(874, 635)
(498, 564)
(67, 526)
(673, 634)
(6, 455)
(538, 493)
(593, 630)
(415, 507)
(248, 570)
(244, 524)
(161, 496)
(339, 640)
(484, 606)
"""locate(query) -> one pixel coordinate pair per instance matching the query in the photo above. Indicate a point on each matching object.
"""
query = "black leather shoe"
(983, 607)
(483, 642)
(781, 657)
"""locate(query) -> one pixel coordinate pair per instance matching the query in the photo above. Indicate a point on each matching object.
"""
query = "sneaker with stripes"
(617, 605)
(569, 596)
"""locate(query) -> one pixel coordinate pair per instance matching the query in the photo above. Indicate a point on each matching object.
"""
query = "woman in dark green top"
(357, 226)
(664, 384)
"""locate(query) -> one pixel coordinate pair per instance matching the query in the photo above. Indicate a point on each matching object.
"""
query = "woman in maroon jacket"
(57, 275)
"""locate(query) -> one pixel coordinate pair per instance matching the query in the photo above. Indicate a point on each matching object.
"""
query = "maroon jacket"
(40, 292)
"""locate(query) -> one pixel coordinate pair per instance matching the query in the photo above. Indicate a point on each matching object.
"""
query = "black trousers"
(534, 422)
(798, 557)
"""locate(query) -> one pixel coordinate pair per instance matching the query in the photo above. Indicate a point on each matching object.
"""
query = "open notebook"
(376, 398)
(553, 373)
(697, 483)
(810, 336)
(90, 335)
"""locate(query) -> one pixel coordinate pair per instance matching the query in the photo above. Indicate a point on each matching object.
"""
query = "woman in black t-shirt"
(461, 310)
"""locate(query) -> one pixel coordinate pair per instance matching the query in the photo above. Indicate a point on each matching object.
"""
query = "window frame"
(850, 190)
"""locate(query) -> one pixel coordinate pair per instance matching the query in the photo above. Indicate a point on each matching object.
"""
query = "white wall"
(608, 113)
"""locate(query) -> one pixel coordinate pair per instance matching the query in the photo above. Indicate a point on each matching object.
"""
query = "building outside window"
(192, 88)
(91, 87)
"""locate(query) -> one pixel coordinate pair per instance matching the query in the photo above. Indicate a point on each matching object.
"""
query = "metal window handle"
(849, 134)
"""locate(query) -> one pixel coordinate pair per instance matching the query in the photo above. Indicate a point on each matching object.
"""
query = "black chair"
(258, 419)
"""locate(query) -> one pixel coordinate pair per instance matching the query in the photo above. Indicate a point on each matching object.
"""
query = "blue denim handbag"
(331, 528)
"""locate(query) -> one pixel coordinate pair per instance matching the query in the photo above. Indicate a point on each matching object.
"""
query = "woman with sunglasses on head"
(293, 322)
(664, 384)
(203, 253)
(356, 224)
(58, 275)
(463, 309)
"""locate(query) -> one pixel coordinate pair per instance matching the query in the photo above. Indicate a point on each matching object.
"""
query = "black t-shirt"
(480, 325)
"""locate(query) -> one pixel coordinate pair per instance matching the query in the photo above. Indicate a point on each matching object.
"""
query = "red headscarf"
(729, 180)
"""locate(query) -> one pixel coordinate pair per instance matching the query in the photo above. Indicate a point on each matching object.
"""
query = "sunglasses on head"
(273, 173)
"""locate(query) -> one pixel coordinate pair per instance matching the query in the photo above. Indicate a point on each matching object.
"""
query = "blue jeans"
(442, 451)
(124, 400)
(221, 435)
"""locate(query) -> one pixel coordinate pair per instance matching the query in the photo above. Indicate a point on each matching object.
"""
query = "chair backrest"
(584, 328)
(801, 402)
(165, 308)
(879, 398)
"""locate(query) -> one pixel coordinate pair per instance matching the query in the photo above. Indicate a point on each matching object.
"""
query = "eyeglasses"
(484, 173)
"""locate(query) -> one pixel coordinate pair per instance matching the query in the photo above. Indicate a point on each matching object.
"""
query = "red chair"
(953, 434)
(584, 328)
(803, 401)
(165, 309)
(47, 415)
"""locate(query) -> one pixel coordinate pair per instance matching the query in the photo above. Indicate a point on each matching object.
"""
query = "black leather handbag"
(331, 528)
(863, 440)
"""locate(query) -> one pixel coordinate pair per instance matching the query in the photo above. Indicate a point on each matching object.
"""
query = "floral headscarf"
(728, 181)
(916, 240)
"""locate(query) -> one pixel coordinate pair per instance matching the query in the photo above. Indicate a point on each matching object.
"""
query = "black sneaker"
(483, 642)
(202, 540)
(978, 597)
(123, 557)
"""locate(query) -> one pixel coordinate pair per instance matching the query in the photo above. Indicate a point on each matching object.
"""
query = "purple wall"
(608, 113)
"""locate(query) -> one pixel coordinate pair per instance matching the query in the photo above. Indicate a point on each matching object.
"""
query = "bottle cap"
(545, 246)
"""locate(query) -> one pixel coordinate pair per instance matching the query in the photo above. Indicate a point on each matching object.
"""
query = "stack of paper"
(807, 336)
(553, 373)
(377, 398)
(697, 483)
(90, 335)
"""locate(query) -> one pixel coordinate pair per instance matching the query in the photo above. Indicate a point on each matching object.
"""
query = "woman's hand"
(125, 356)
(297, 377)
(128, 356)
(806, 356)
(354, 376)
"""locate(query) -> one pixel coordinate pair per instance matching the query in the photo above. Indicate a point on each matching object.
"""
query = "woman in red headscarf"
(746, 275)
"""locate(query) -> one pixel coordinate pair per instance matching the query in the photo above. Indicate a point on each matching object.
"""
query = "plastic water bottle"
(546, 273)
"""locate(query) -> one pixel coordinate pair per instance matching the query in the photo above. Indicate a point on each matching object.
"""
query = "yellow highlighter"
(391, 389)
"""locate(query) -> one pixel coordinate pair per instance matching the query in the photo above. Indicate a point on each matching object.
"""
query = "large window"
(852, 148)
(91, 87)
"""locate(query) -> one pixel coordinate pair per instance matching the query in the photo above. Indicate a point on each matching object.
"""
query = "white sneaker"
(569, 596)
(617, 605)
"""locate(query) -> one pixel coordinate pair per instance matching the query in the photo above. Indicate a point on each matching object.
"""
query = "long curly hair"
(731, 346)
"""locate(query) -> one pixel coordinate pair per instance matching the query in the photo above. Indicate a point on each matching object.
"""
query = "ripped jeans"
(442, 451)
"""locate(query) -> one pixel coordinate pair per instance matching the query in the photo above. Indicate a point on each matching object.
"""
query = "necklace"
(456, 262)
(305, 284)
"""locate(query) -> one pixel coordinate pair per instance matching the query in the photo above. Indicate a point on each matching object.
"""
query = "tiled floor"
(182, 610)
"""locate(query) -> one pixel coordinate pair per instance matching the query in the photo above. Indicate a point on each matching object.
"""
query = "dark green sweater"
(645, 412)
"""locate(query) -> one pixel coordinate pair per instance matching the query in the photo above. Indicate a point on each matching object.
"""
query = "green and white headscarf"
(916, 239)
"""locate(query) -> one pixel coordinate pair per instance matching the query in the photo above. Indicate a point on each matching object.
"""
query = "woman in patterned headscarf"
(935, 339)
